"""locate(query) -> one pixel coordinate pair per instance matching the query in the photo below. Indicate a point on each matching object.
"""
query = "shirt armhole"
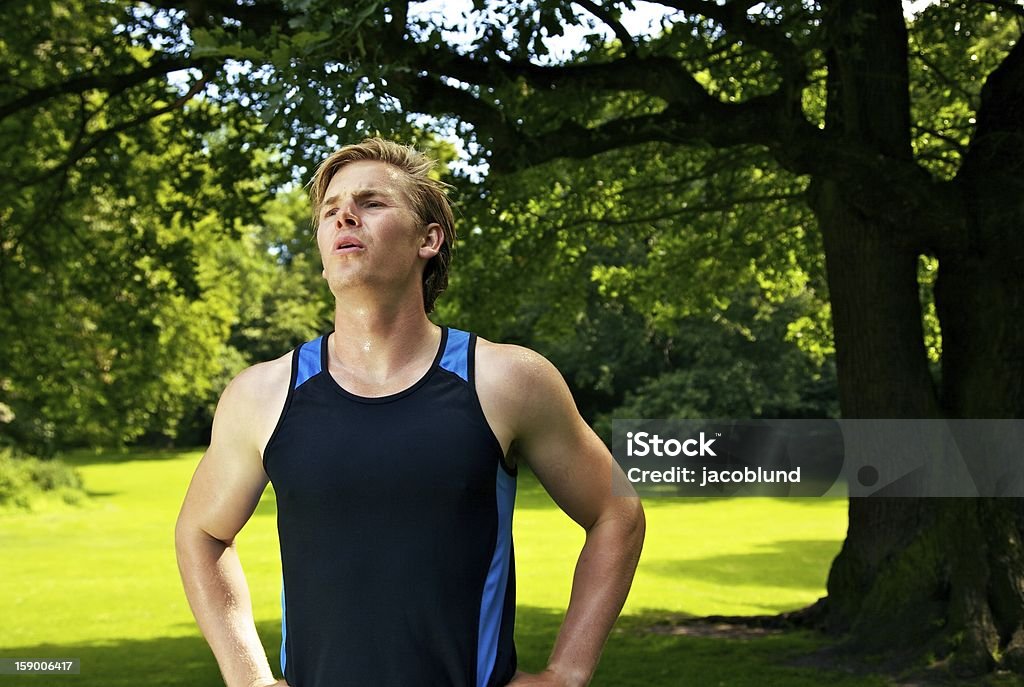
(511, 470)
(287, 404)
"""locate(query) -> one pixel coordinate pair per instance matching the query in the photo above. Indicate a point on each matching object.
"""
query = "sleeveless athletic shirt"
(395, 523)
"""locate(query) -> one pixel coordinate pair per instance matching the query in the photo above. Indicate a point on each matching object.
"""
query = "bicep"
(577, 473)
(224, 492)
(569, 459)
(230, 478)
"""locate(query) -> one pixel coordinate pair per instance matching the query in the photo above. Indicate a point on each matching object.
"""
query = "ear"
(323, 273)
(433, 239)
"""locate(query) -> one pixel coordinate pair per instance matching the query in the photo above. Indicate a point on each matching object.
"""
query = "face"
(368, 232)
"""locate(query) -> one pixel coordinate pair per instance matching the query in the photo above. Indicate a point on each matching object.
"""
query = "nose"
(347, 215)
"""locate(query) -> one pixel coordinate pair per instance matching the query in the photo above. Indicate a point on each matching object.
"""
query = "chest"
(432, 442)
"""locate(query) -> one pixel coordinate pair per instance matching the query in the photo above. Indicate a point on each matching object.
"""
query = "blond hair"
(429, 198)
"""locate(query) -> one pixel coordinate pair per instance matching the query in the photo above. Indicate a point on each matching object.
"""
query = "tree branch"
(769, 120)
(716, 123)
(260, 16)
(724, 206)
(952, 83)
(399, 19)
(82, 149)
(773, 40)
(957, 145)
(660, 76)
(430, 96)
(627, 40)
(719, 162)
(114, 83)
(692, 114)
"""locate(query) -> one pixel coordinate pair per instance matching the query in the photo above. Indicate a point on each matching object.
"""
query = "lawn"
(99, 582)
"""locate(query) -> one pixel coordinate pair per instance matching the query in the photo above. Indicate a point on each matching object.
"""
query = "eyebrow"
(361, 194)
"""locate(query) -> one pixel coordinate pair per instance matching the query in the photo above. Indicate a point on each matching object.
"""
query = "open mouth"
(347, 244)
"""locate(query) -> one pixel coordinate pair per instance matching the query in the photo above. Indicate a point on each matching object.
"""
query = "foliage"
(724, 368)
(644, 262)
(950, 56)
(611, 256)
(120, 222)
(22, 478)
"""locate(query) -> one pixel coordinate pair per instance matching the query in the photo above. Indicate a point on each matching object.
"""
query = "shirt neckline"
(325, 368)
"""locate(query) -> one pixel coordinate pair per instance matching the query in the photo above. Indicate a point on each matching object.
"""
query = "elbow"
(185, 531)
(191, 539)
(626, 524)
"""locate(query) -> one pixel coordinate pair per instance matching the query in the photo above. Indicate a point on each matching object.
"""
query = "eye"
(331, 212)
(374, 204)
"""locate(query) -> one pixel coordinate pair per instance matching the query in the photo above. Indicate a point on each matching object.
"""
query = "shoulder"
(258, 381)
(252, 402)
(521, 386)
(510, 361)
(512, 368)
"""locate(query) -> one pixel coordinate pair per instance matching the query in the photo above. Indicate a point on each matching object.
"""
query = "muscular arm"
(222, 496)
(527, 402)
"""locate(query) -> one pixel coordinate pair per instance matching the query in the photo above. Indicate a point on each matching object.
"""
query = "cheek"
(322, 241)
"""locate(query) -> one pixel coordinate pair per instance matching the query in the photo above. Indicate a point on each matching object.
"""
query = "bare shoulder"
(262, 379)
(513, 372)
(529, 405)
(252, 403)
(519, 388)
(508, 362)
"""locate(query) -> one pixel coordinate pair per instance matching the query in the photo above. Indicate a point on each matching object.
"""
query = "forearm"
(604, 573)
(219, 596)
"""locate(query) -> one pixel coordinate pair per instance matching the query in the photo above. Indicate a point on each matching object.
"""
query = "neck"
(378, 340)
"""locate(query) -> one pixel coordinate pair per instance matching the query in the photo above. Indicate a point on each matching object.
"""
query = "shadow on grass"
(639, 653)
(162, 662)
(643, 650)
(86, 457)
(795, 564)
(97, 495)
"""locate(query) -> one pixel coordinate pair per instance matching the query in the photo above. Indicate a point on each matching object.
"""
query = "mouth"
(347, 244)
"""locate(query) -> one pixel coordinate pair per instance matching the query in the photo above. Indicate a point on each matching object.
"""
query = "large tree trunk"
(924, 576)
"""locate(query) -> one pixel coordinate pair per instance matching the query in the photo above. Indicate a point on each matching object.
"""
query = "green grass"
(99, 582)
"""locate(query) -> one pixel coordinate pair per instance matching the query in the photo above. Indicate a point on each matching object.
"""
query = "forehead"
(366, 175)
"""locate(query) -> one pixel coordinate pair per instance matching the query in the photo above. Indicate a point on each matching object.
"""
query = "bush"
(23, 476)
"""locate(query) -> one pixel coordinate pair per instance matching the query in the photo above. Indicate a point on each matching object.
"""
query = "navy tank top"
(395, 523)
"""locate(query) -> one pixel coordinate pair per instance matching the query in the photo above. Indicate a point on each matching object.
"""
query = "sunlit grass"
(99, 582)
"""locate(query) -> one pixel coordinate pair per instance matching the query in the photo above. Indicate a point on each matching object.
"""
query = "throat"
(381, 367)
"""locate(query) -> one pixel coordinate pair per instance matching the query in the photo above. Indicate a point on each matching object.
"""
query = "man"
(387, 442)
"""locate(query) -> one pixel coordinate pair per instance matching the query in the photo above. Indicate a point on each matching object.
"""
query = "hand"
(548, 678)
(279, 683)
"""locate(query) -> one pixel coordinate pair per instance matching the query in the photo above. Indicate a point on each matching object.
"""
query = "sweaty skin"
(374, 249)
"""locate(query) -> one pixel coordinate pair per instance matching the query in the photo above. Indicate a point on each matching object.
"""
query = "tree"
(118, 227)
(911, 152)
(645, 270)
